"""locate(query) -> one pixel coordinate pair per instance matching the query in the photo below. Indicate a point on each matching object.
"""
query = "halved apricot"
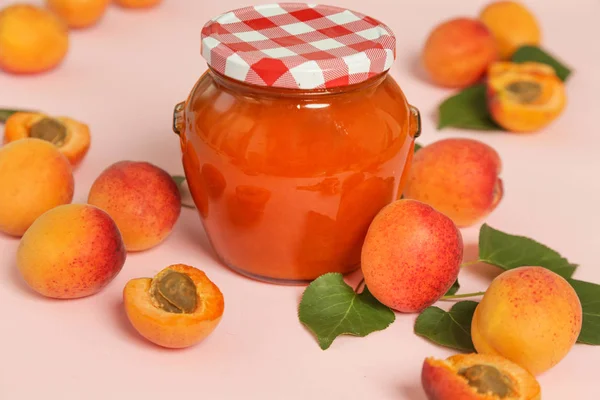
(71, 137)
(524, 97)
(177, 308)
(477, 377)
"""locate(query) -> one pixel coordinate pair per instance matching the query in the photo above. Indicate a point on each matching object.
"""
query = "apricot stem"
(466, 264)
(359, 285)
(462, 295)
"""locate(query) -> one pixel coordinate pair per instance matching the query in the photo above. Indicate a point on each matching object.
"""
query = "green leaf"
(534, 53)
(448, 328)
(467, 110)
(5, 113)
(510, 251)
(179, 179)
(329, 308)
(453, 289)
(417, 147)
(589, 296)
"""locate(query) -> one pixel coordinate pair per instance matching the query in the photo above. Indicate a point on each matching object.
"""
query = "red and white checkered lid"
(297, 46)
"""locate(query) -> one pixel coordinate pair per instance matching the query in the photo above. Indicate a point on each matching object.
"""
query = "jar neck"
(266, 91)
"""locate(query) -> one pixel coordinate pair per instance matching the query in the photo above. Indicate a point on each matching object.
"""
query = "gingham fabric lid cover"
(297, 46)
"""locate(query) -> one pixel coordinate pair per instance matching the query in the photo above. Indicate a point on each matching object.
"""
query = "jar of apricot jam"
(294, 138)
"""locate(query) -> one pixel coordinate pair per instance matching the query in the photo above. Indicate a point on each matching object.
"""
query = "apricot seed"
(50, 130)
(488, 379)
(174, 292)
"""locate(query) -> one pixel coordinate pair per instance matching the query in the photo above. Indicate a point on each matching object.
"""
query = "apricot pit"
(174, 292)
(488, 379)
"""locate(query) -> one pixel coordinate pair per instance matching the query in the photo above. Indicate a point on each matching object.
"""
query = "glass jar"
(287, 177)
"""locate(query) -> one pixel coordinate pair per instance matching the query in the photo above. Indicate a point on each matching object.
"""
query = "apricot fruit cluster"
(36, 39)
(458, 51)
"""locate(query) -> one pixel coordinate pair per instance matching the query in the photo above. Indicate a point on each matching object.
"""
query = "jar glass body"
(287, 182)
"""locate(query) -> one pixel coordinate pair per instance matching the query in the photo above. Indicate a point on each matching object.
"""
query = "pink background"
(124, 76)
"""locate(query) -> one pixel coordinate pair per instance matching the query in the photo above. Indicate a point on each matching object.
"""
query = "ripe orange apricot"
(79, 13)
(458, 51)
(143, 200)
(512, 26)
(524, 97)
(177, 308)
(34, 178)
(71, 251)
(138, 3)
(71, 137)
(411, 255)
(529, 315)
(458, 177)
(32, 39)
(477, 377)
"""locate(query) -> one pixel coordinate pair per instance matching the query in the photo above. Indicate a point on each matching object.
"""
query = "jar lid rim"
(297, 45)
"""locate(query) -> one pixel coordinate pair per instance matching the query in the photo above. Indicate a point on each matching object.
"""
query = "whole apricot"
(411, 255)
(477, 377)
(32, 39)
(512, 26)
(138, 3)
(524, 97)
(457, 177)
(71, 137)
(529, 315)
(177, 308)
(71, 251)
(458, 51)
(79, 13)
(34, 178)
(143, 200)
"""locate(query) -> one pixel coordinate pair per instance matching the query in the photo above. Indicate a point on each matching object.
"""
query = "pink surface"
(124, 77)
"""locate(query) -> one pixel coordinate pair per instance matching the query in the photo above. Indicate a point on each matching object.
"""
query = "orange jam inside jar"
(294, 138)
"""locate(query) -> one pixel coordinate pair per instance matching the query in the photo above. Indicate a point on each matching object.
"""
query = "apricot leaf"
(453, 289)
(417, 147)
(329, 308)
(467, 110)
(5, 113)
(589, 296)
(448, 328)
(179, 179)
(511, 251)
(536, 54)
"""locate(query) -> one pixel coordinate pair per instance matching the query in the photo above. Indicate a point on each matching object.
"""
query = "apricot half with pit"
(71, 137)
(177, 308)
(524, 97)
(477, 377)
